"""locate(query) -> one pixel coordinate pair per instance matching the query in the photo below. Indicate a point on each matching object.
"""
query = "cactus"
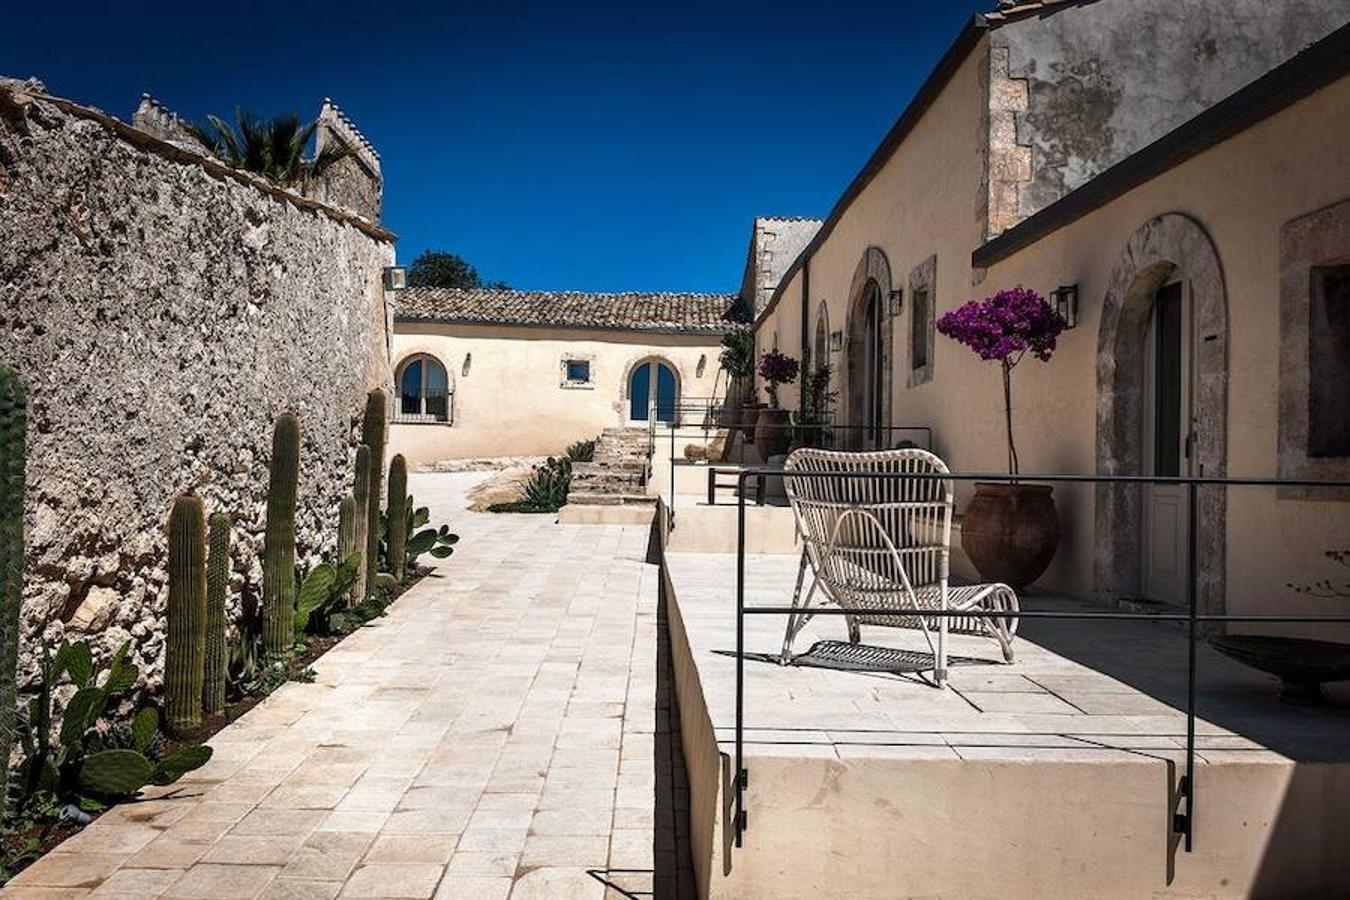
(346, 543)
(13, 425)
(217, 581)
(185, 649)
(361, 498)
(372, 435)
(397, 516)
(279, 539)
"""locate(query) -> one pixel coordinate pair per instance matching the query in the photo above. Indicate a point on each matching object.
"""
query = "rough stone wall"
(1091, 84)
(775, 243)
(163, 312)
(355, 182)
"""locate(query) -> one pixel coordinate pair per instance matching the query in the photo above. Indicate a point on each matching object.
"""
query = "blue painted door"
(652, 383)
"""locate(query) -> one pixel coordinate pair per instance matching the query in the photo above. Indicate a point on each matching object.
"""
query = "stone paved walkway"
(498, 734)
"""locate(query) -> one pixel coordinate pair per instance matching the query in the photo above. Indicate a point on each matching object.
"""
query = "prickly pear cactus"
(373, 435)
(217, 583)
(279, 539)
(13, 425)
(361, 495)
(397, 516)
(185, 649)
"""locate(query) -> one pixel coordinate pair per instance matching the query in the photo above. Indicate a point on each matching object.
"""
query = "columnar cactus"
(279, 539)
(372, 435)
(397, 515)
(185, 649)
(346, 544)
(217, 582)
(13, 425)
(361, 497)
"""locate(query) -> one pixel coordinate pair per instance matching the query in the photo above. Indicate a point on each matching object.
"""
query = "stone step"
(593, 499)
(626, 464)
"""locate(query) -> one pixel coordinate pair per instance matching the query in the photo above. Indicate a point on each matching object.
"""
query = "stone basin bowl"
(1302, 665)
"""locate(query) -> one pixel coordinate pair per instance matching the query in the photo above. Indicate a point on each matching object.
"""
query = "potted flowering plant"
(773, 434)
(1010, 530)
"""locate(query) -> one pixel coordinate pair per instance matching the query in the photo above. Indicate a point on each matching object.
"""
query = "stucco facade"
(1221, 222)
(510, 393)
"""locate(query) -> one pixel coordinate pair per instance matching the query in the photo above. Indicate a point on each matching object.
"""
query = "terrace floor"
(502, 732)
(1078, 691)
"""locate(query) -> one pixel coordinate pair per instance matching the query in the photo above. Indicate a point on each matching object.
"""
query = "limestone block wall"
(163, 310)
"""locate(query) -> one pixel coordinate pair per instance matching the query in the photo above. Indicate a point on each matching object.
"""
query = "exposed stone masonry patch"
(163, 312)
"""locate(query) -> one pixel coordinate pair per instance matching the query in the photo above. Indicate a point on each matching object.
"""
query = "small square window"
(577, 371)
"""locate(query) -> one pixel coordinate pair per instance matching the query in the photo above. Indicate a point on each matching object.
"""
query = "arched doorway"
(1162, 384)
(867, 361)
(653, 387)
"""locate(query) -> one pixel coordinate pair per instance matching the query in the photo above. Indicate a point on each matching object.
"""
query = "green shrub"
(582, 451)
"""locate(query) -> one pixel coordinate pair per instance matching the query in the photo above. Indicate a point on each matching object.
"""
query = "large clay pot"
(747, 416)
(1011, 531)
(773, 435)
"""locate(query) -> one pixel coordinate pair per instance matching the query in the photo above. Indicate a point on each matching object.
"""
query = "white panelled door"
(1168, 442)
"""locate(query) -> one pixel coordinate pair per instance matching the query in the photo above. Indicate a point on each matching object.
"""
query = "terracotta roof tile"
(627, 311)
(1008, 10)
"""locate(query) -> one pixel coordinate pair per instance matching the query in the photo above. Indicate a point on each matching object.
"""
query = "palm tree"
(273, 148)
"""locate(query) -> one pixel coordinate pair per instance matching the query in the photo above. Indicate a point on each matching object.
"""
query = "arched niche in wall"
(1171, 249)
(867, 364)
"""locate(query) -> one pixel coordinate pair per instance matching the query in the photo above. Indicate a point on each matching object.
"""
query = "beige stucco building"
(491, 373)
(1210, 217)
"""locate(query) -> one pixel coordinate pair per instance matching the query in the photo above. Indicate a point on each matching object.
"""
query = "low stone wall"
(163, 310)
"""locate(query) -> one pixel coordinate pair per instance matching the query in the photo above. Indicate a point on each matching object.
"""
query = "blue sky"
(588, 146)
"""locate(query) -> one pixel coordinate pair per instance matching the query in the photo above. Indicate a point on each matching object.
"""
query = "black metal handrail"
(424, 408)
(1182, 823)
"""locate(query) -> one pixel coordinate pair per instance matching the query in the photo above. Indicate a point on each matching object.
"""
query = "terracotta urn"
(773, 434)
(747, 416)
(1011, 531)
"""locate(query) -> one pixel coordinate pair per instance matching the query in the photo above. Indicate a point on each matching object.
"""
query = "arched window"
(424, 393)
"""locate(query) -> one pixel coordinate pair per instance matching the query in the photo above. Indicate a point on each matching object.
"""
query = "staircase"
(618, 474)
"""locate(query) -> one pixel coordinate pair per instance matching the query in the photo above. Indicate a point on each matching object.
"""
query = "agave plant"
(273, 148)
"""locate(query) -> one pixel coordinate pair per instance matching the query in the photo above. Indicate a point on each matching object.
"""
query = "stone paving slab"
(492, 737)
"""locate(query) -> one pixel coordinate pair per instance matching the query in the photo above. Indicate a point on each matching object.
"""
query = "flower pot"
(1011, 531)
(773, 435)
(747, 416)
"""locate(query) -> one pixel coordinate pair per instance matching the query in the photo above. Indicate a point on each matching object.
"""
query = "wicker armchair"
(883, 543)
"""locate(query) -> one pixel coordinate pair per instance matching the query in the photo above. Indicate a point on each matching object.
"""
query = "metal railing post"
(1192, 627)
(741, 777)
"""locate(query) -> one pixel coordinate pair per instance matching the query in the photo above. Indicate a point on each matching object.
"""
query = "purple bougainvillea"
(776, 368)
(1004, 328)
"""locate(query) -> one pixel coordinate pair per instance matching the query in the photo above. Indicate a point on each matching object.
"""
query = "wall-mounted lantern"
(837, 340)
(1066, 304)
(464, 369)
(395, 278)
(895, 301)
(702, 364)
